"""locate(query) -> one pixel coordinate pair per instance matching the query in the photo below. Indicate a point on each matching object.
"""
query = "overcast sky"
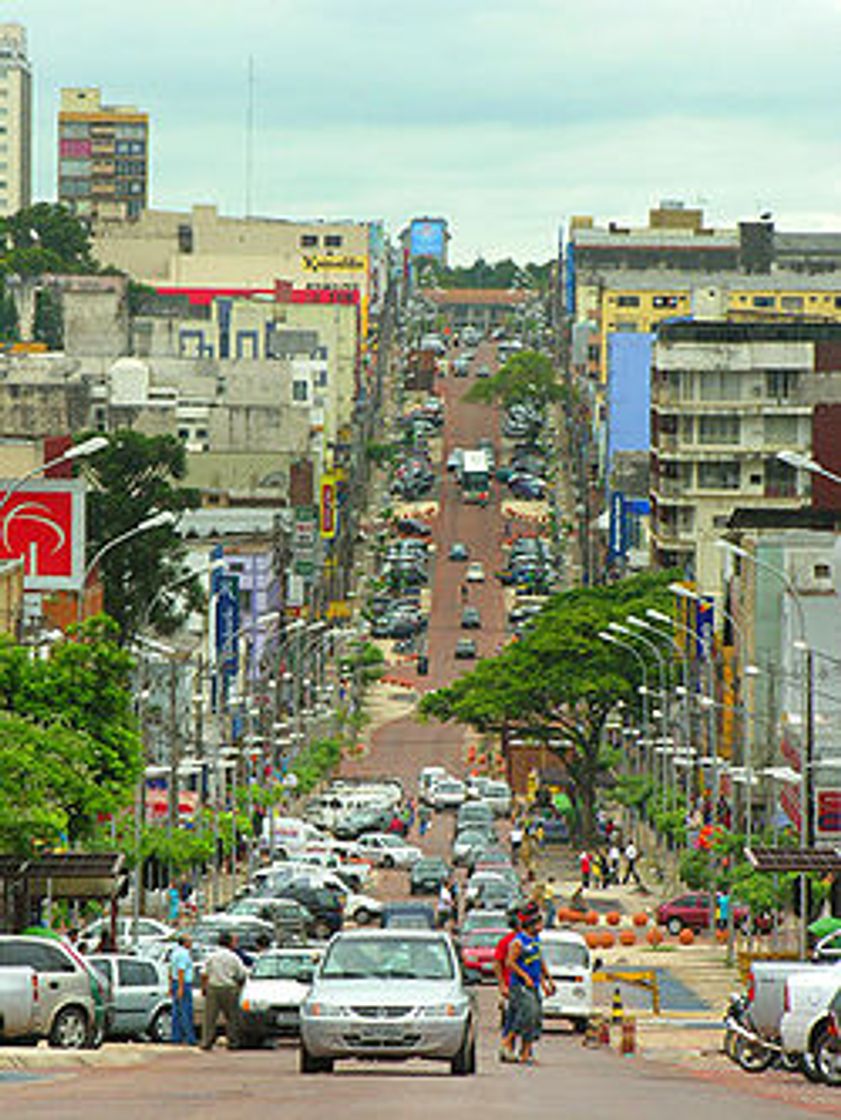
(505, 116)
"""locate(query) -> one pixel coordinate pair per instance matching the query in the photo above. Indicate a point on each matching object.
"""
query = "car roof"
(568, 936)
(393, 934)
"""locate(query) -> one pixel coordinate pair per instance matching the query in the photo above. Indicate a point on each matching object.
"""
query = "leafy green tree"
(526, 376)
(69, 747)
(132, 478)
(45, 237)
(560, 682)
(9, 326)
(49, 319)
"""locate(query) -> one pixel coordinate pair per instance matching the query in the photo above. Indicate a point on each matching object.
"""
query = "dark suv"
(324, 904)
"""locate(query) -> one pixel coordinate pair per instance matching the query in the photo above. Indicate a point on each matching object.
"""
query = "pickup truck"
(809, 1026)
(18, 999)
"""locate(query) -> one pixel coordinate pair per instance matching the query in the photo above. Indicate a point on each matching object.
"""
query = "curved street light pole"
(606, 636)
(165, 517)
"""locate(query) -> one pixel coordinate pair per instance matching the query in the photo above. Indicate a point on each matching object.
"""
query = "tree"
(45, 237)
(526, 376)
(49, 319)
(560, 682)
(134, 477)
(69, 747)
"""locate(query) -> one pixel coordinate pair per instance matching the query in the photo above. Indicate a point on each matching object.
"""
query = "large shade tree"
(525, 376)
(560, 682)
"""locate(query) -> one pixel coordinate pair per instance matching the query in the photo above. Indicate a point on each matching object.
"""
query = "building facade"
(103, 156)
(15, 120)
(726, 399)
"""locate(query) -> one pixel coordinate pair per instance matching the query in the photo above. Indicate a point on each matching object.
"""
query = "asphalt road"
(569, 1080)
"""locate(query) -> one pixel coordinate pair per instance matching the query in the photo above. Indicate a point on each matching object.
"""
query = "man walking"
(503, 978)
(631, 857)
(223, 977)
(529, 979)
(585, 866)
(515, 838)
(181, 989)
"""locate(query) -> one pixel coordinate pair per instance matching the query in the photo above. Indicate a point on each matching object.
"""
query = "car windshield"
(284, 967)
(383, 958)
(484, 939)
(565, 954)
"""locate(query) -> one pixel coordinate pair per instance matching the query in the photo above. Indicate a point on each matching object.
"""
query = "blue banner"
(227, 623)
(704, 627)
(618, 541)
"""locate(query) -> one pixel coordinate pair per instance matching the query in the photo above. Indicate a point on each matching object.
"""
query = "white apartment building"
(726, 398)
(15, 120)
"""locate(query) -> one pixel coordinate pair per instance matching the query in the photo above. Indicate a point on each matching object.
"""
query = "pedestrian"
(454, 894)
(631, 857)
(585, 866)
(502, 972)
(540, 834)
(222, 980)
(722, 909)
(181, 972)
(173, 903)
(529, 979)
(424, 819)
(515, 838)
(551, 902)
(444, 906)
(613, 862)
(465, 590)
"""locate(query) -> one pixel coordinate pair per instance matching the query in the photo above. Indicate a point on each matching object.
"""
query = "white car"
(449, 793)
(476, 882)
(568, 961)
(271, 998)
(498, 796)
(149, 931)
(475, 572)
(811, 997)
(428, 778)
(386, 849)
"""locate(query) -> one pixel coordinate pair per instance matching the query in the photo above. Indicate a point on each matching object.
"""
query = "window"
(781, 383)
(629, 325)
(332, 241)
(309, 241)
(628, 301)
(719, 429)
(183, 433)
(764, 301)
(719, 476)
(780, 429)
(137, 974)
(593, 353)
(720, 385)
(300, 391)
(792, 303)
(41, 958)
(822, 571)
(665, 301)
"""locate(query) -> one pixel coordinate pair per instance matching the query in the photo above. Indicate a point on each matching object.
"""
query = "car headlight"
(249, 1004)
(318, 1009)
(444, 1010)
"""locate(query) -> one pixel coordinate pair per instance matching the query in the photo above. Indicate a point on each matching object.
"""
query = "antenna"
(249, 138)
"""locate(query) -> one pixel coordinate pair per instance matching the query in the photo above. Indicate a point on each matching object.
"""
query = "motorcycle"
(741, 1042)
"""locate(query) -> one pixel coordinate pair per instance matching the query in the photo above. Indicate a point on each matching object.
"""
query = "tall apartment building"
(726, 398)
(15, 120)
(103, 156)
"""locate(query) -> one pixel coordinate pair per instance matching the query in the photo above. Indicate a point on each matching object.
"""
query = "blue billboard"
(428, 238)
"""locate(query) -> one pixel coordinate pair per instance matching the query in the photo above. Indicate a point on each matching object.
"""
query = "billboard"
(828, 813)
(428, 238)
(44, 525)
(328, 513)
(324, 262)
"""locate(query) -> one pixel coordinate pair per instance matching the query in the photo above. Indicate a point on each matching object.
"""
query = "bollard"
(591, 1035)
(628, 1044)
(617, 1012)
(604, 1032)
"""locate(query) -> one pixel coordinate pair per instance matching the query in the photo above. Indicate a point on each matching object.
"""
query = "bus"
(475, 477)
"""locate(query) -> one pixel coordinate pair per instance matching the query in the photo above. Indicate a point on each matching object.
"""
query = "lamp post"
(606, 636)
(77, 451)
(156, 521)
(662, 714)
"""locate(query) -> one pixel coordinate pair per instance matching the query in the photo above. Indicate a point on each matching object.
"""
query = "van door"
(140, 992)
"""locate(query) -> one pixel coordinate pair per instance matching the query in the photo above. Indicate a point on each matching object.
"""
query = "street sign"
(227, 622)
(44, 525)
(828, 813)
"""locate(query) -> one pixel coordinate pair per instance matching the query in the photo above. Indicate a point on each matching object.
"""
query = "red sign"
(828, 817)
(790, 801)
(327, 507)
(45, 528)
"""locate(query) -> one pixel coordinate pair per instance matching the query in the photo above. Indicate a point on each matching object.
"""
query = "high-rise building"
(15, 120)
(103, 156)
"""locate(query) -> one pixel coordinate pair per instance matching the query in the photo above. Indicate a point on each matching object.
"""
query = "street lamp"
(77, 451)
(206, 569)
(804, 463)
(156, 521)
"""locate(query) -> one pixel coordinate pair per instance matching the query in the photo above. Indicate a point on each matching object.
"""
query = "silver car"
(389, 994)
(140, 990)
(270, 1002)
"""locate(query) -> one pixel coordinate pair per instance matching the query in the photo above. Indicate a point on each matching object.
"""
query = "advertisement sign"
(305, 529)
(617, 544)
(828, 813)
(704, 618)
(227, 623)
(328, 510)
(44, 525)
(324, 262)
(428, 238)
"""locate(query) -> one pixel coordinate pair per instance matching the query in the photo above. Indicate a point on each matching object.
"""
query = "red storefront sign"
(44, 527)
(828, 813)
(327, 507)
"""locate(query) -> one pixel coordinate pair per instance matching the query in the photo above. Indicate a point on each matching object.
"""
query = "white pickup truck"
(18, 1003)
(811, 1018)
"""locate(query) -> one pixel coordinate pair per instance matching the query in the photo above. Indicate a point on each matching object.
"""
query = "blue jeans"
(183, 1029)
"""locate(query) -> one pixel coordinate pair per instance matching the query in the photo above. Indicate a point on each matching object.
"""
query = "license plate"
(285, 1018)
(381, 1030)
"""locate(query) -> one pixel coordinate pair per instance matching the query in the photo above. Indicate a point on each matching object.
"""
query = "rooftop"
(687, 330)
(484, 296)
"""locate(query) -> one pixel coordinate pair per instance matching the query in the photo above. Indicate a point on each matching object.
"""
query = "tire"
(308, 1063)
(753, 1057)
(464, 1062)
(580, 1025)
(674, 926)
(160, 1028)
(827, 1056)
(362, 916)
(388, 861)
(70, 1029)
(809, 1070)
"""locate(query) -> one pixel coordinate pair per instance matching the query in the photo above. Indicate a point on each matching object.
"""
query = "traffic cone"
(628, 1045)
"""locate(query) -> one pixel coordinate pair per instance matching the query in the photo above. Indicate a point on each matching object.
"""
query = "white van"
(291, 835)
(568, 961)
(427, 779)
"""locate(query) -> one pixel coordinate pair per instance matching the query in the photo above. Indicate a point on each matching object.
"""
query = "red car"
(695, 912)
(477, 953)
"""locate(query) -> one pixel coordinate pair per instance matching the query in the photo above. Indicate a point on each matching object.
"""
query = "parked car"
(568, 961)
(498, 796)
(385, 849)
(475, 813)
(465, 649)
(469, 840)
(407, 915)
(484, 919)
(141, 997)
(413, 526)
(270, 1001)
(289, 918)
(73, 1004)
(694, 911)
(324, 903)
(389, 994)
(458, 551)
(449, 793)
(471, 619)
(428, 874)
(148, 930)
(362, 820)
(809, 1025)
(477, 952)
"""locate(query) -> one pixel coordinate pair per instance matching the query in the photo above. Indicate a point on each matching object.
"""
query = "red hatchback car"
(477, 953)
(695, 912)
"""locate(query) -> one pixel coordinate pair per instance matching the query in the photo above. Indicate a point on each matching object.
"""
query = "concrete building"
(478, 307)
(103, 156)
(15, 120)
(726, 398)
(201, 250)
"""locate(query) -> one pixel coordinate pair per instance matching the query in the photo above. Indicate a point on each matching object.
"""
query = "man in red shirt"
(503, 976)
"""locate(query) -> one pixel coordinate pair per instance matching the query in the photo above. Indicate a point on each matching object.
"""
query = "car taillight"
(35, 989)
(752, 987)
(786, 998)
(832, 1025)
